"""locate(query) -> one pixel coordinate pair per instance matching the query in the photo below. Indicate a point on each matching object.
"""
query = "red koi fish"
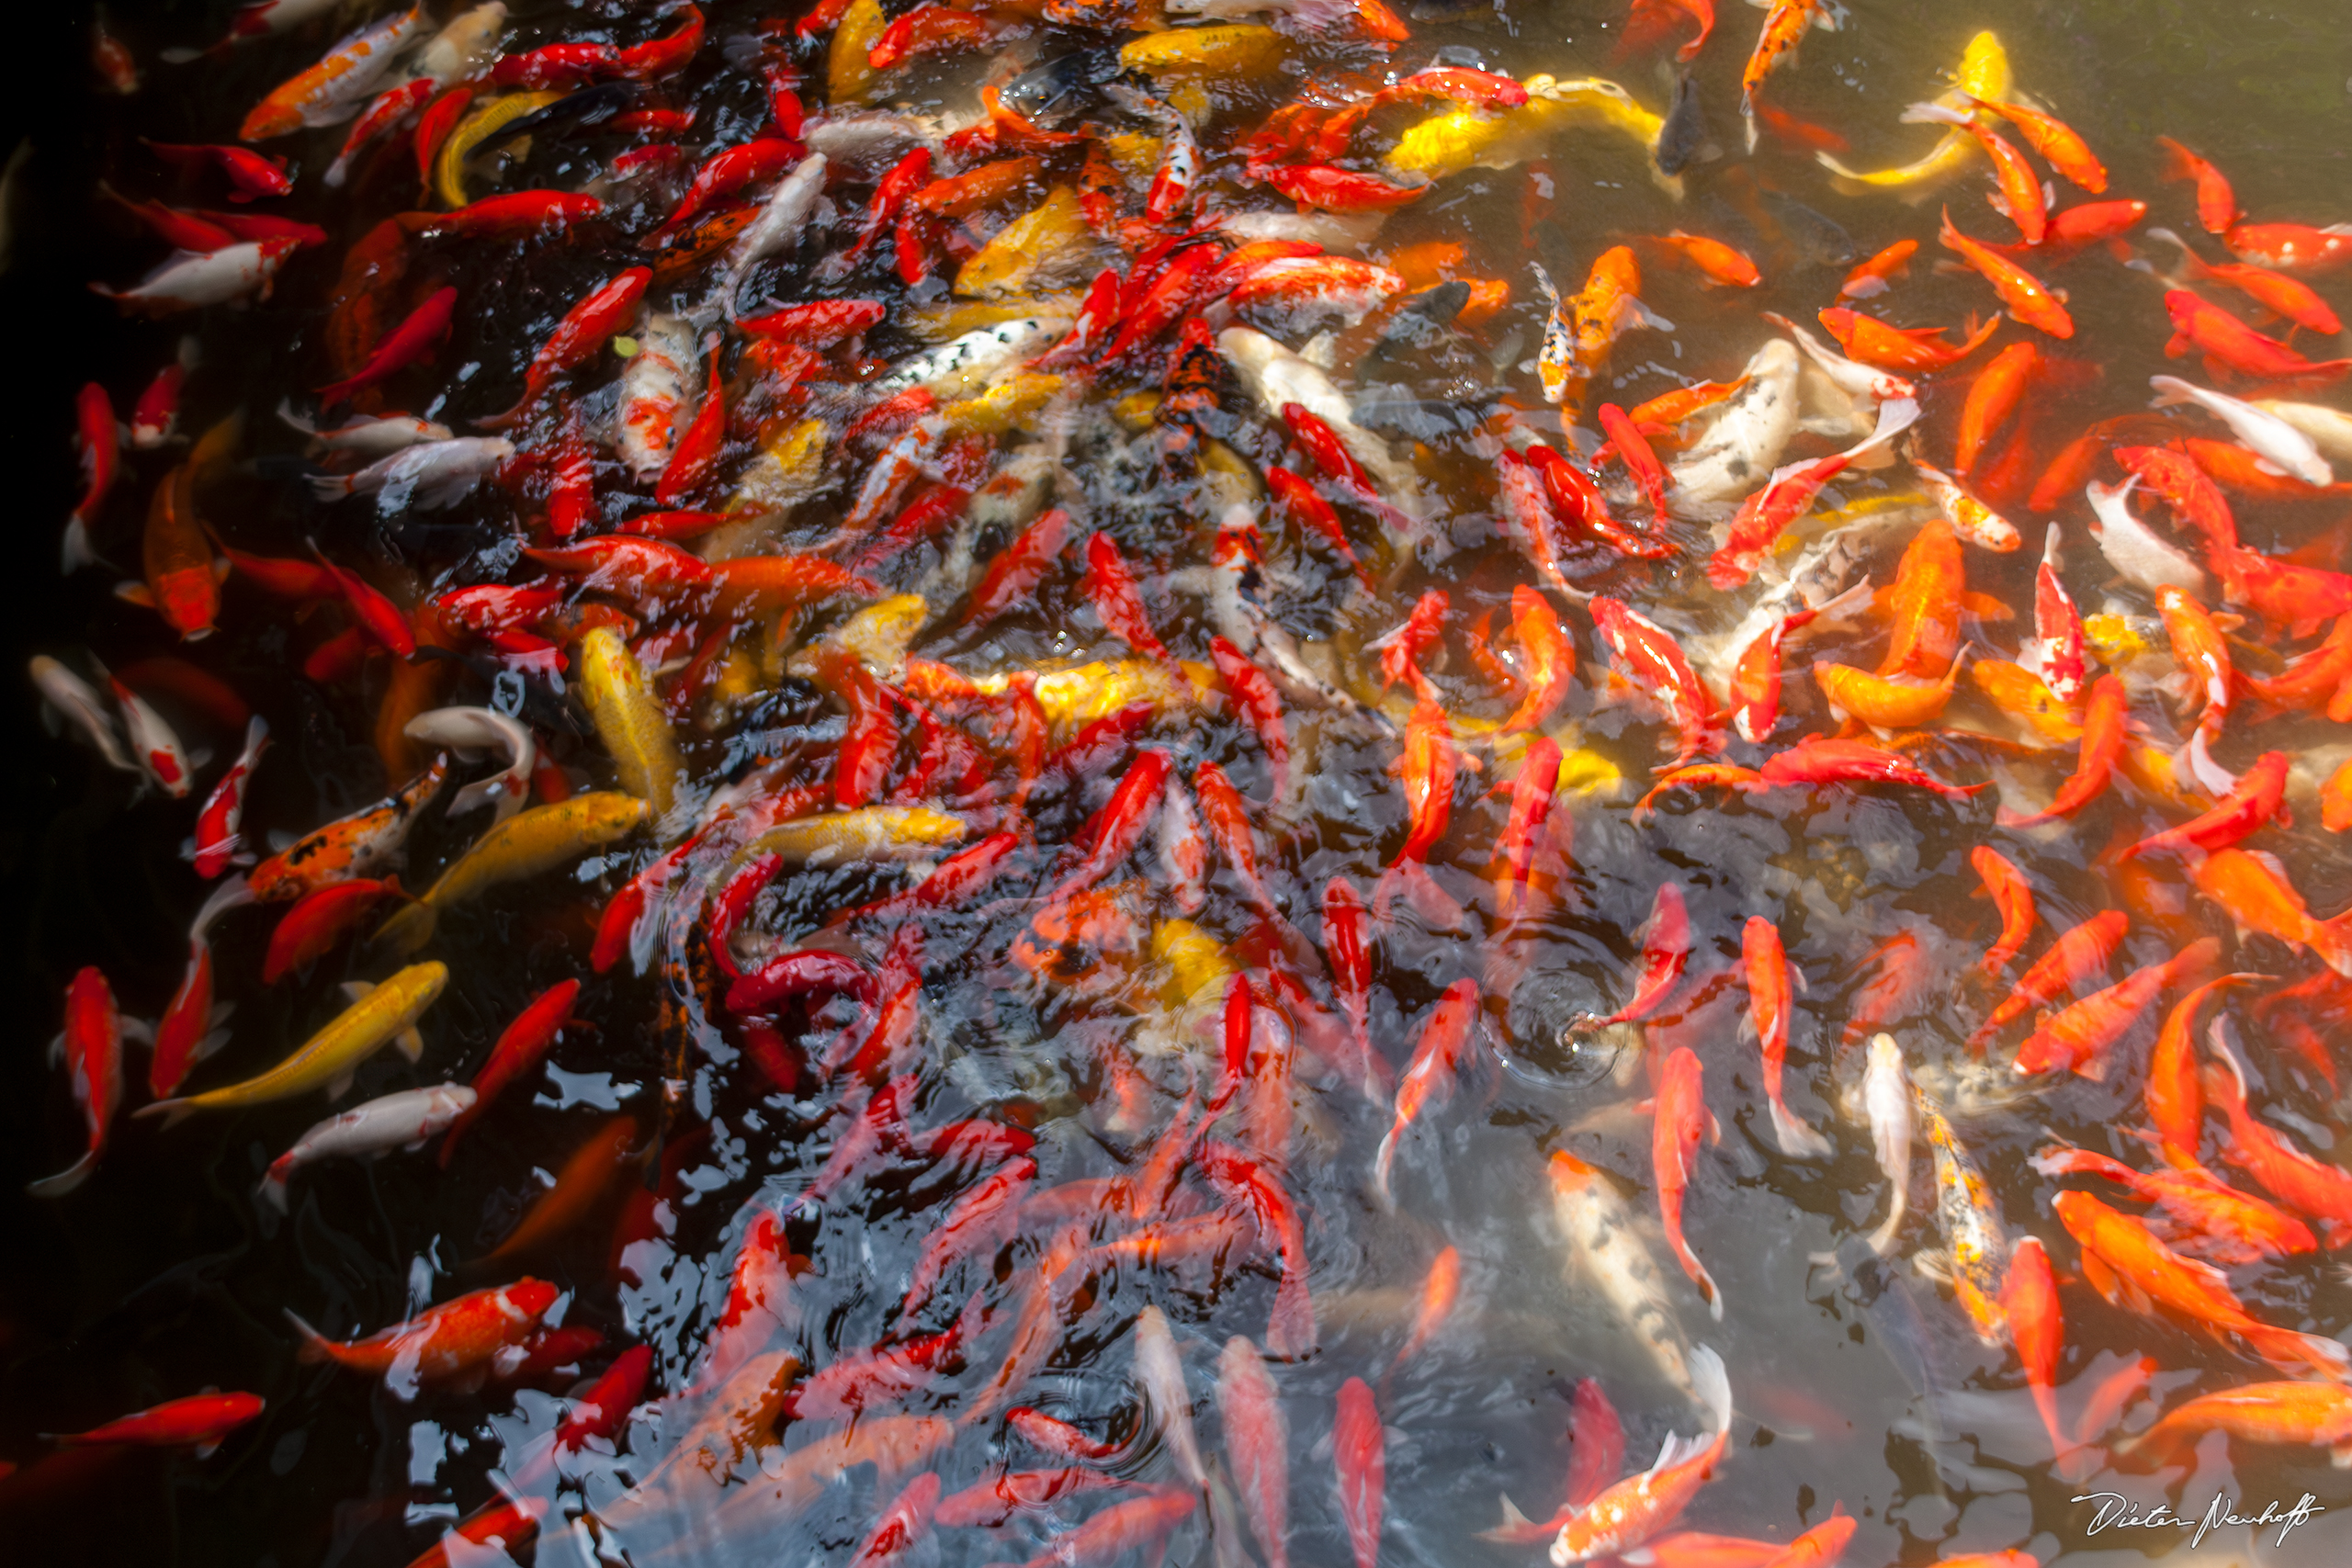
(2217, 203)
(2078, 954)
(201, 1421)
(2225, 341)
(1427, 769)
(91, 1048)
(520, 1047)
(583, 334)
(2013, 897)
(1110, 586)
(1666, 950)
(419, 334)
(1789, 494)
(1645, 654)
(1428, 1079)
(2125, 1262)
(1815, 760)
(1359, 1452)
(1679, 1118)
(2029, 1305)
(1769, 1006)
(100, 440)
(2313, 1188)
(1256, 1446)
(2316, 1413)
(2104, 714)
(319, 920)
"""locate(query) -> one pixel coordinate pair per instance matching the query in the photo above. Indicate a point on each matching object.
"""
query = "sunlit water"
(163, 1276)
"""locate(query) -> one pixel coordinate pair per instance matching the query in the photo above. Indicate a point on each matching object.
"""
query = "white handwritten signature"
(2120, 1512)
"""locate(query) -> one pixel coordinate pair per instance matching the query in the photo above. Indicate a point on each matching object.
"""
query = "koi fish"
(1971, 1222)
(1606, 1255)
(1359, 1453)
(200, 1422)
(1638, 1507)
(91, 1049)
(1767, 968)
(1428, 1083)
(406, 1118)
(1886, 1098)
(1679, 1117)
(451, 1345)
(377, 1015)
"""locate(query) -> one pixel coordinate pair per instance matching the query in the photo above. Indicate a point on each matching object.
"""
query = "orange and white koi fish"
(1641, 1507)
(337, 87)
(455, 1344)
(1971, 1219)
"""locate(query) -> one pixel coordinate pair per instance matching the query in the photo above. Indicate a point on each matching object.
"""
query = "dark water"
(163, 1276)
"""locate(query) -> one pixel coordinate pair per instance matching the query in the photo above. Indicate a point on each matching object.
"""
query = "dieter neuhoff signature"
(2115, 1511)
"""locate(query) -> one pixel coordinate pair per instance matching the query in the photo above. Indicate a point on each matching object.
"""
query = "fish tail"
(65, 1180)
(1712, 1383)
(1798, 1140)
(2286, 1348)
(1381, 1163)
(410, 928)
(316, 1347)
(173, 1111)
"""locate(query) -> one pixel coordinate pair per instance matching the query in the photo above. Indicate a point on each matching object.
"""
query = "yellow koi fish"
(524, 845)
(871, 832)
(1466, 138)
(629, 720)
(377, 1015)
(1984, 74)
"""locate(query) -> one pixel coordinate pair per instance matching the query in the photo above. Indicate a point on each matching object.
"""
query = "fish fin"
(410, 1042)
(76, 551)
(1381, 1164)
(137, 1030)
(339, 1086)
(65, 1180)
(56, 1048)
(1631, 313)
(357, 991)
(137, 594)
(173, 1111)
(2340, 1456)
(1931, 114)
(1712, 1383)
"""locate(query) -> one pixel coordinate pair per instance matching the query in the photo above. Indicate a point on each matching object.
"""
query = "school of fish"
(889, 633)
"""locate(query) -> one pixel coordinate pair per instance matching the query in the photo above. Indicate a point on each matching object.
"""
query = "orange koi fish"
(1768, 1003)
(1678, 1118)
(2028, 299)
(2078, 954)
(1428, 1079)
(2125, 1262)
(2078, 1038)
(2013, 897)
(2037, 1329)
(2202, 1214)
(2317, 1413)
